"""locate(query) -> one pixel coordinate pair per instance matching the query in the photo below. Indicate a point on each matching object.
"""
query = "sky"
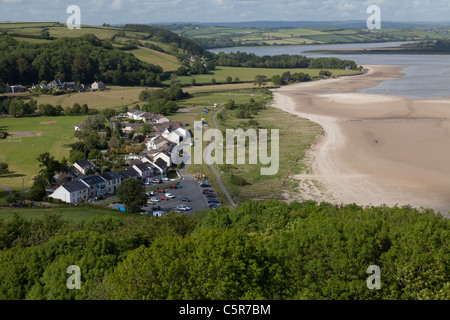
(96, 12)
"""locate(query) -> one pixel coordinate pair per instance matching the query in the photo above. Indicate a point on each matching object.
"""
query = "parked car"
(150, 193)
(212, 200)
(150, 202)
(154, 199)
(169, 195)
(145, 212)
(156, 208)
(160, 191)
(214, 205)
(205, 185)
(163, 198)
(156, 181)
(210, 195)
(207, 191)
(183, 207)
(185, 199)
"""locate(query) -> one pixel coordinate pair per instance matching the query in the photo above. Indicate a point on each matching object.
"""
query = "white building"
(156, 143)
(73, 192)
(177, 135)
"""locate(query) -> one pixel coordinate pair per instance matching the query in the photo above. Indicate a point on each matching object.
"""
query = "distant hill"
(149, 44)
(310, 24)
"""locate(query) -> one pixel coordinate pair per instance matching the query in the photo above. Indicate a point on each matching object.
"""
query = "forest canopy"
(260, 250)
(83, 59)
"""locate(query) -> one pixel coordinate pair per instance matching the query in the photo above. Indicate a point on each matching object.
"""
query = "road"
(219, 180)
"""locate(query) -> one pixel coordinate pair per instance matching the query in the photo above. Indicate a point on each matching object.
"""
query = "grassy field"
(72, 213)
(249, 74)
(115, 98)
(50, 134)
(166, 61)
(296, 137)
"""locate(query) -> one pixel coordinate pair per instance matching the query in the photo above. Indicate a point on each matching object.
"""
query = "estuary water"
(426, 76)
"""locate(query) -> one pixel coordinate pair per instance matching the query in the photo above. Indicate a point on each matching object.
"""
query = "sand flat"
(377, 149)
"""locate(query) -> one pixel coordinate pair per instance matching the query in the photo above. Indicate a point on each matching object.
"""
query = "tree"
(276, 80)
(114, 143)
(132, 193)
(260, 80)
(325, 73)
(50, 166)
(37, 191)
(193, 81)
(4, 168)
(76, 156)
(213, 80)
(229, 79)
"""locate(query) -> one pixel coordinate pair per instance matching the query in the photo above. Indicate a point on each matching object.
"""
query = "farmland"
(31, 137)
(217, 37)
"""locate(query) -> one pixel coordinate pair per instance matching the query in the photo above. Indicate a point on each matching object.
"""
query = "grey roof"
(129, 173)
(161, 163)
(74, 186)
(93, 180)
(143, 166)
(84, 163)
(106, 176)
(114, 175)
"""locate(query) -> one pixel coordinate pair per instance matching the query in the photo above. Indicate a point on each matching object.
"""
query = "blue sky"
(96, 12)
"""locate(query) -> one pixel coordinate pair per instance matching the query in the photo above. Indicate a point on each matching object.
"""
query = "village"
(153, 166)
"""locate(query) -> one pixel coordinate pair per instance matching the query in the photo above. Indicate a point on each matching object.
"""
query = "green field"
(249, 74)
(296, 137)
(50, 134)
(166, 61)
(115, 98)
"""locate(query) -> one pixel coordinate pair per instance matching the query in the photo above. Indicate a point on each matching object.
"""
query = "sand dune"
(377, 149)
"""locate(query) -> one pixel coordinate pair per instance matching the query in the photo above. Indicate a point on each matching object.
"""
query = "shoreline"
(365, 155)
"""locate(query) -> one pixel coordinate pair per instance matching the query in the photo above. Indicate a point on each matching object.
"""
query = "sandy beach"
(376, 149)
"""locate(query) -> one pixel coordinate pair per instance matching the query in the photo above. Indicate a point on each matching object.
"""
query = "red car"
(163, 198)
(160, 191)
(210, 195)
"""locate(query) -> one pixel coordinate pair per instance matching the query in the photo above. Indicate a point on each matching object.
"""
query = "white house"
(98, 85)
(177, 135)
(156, 143)
(83, 166)
(135, 114)
(73, 192)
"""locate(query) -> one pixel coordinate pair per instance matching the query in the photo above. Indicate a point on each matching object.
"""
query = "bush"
(238, 181)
